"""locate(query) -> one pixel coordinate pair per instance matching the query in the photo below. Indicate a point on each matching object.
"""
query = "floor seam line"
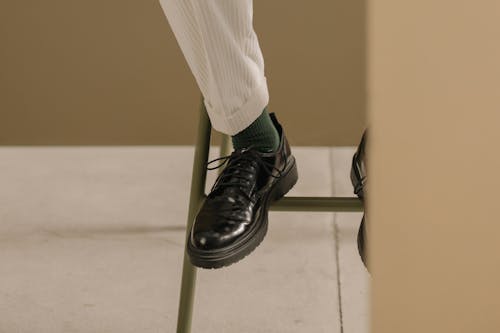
(336, 239)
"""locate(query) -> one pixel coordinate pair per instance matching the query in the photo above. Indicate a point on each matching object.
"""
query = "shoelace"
(236, 162)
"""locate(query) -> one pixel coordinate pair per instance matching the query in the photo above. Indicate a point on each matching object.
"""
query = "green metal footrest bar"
(318, 204)
(308, 204)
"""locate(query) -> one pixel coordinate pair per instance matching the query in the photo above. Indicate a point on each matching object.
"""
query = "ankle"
(261, 134)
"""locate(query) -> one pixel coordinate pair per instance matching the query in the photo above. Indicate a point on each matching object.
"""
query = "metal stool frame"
(199, 175)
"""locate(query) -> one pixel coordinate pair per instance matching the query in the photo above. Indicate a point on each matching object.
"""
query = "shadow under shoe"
(233, 219)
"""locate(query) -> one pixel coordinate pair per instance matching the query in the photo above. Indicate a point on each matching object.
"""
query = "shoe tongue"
(238, 181)
(244, 183)
(262, 172)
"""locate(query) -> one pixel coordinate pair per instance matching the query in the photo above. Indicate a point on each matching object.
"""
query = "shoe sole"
(230, 255)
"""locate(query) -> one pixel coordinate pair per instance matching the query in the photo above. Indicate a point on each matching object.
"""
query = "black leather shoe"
(233, 219)
(358, 179)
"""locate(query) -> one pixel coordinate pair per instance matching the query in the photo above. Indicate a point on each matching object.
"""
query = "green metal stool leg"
(197, 194)
(225, 146)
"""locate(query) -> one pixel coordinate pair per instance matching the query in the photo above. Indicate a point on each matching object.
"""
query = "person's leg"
(222, 50)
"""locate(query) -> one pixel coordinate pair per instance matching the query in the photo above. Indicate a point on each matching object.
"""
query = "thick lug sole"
(244, 246)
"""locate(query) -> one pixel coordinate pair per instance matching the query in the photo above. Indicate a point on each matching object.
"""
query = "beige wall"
(434, 87)
(111, 72)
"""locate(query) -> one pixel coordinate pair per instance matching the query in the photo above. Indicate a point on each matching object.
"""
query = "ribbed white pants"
(222, 50)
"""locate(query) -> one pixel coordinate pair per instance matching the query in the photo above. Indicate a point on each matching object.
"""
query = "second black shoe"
(358, 179)
(233, 219)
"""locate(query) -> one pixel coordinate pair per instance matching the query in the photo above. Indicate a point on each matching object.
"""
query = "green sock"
(261, 134)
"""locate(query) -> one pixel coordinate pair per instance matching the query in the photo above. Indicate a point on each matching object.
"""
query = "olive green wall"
(111, 72)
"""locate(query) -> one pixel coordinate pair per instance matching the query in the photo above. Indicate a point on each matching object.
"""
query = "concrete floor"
(91, 240)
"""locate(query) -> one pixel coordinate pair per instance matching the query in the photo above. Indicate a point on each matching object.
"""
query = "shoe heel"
(286, 182)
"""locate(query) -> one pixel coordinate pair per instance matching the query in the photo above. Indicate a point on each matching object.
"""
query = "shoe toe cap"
(218, 238)
(206, 240)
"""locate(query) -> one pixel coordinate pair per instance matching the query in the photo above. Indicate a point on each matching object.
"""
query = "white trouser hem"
(240, 119)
